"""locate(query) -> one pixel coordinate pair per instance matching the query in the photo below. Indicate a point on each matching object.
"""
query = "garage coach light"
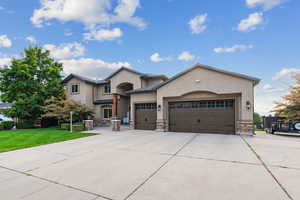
(248, 105)
(158, 107)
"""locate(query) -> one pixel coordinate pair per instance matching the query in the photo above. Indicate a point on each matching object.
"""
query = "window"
(75, 89)
(146, 106)
(107, 89)
(107, 113)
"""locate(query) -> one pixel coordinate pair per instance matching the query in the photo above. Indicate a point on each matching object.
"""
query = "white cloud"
(31, 39)
(197, 24)
(103, 34)
(92, 67)
(251, 23)
(266, 4)
(63, 51)
(4, 61)
(264, 104)
(186, 56)
(266, 95)
(157, 58)
(5, 41)
(234, 48)
(270, 88)
(267, 87)
(91, 13)
(286, 73)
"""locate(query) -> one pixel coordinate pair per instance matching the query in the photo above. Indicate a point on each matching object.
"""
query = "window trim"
(104, 89)
(78, 88)
(103, 112)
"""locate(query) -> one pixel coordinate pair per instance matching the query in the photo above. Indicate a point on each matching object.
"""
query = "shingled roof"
(106, 80)
(85, 79)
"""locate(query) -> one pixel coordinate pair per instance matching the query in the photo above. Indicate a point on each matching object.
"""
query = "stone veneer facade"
(245, 126)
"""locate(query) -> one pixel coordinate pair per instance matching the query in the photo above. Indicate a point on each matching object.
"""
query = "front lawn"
(18, 139)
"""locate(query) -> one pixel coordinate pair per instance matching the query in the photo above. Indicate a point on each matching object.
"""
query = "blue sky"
(94, 37)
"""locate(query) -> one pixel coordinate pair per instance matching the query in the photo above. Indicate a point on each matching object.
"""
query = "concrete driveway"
(139, 165)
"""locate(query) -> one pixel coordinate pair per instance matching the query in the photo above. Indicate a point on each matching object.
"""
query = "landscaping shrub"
(78, 127)
(65, 126)
(24, 125)
(1, 127)
(8, 125)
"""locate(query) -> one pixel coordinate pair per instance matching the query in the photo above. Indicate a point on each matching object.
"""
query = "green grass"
(19, 139)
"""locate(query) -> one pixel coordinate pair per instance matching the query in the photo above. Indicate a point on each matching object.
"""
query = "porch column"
(115, 105)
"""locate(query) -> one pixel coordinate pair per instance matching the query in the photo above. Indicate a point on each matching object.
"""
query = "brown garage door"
(145, 116)
(202, 116)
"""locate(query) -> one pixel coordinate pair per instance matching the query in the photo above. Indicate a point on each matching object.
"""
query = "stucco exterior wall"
(100, 94)
(125, 76)
(200, 79)
(123, 107)
(151, 82)
(85, 95)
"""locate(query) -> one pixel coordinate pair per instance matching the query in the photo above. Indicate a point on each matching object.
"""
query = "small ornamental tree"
(290, 106)
(29, 81)
(61, 108)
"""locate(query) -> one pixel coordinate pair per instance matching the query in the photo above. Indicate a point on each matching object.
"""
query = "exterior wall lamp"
(158, 107)
(248, 105)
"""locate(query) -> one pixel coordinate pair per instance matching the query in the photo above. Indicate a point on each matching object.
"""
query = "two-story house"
(200, 99)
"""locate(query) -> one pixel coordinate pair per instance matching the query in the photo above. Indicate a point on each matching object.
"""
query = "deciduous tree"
(290, 106)
(29, 81)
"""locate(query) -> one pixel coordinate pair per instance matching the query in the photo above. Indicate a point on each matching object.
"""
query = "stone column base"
(245, 127)
(161, 125)
(131, 124)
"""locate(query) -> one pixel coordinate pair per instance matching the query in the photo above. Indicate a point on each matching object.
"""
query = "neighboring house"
(200, 99)
(3, 107)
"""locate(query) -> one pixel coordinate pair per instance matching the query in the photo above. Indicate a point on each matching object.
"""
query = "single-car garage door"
(213, 116)
(145, 116)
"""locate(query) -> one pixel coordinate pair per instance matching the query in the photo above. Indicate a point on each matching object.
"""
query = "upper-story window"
(107, 89)
(75, 88)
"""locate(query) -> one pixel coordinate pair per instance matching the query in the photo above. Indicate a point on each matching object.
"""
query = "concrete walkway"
(142, 165)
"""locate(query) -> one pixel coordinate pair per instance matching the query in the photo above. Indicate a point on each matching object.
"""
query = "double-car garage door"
(211, 116)
(214, 116)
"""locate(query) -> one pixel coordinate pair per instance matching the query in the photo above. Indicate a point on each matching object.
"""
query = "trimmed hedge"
(24, 125)
(1, 127)
(65, 126)
(8, 125)
(76, 127)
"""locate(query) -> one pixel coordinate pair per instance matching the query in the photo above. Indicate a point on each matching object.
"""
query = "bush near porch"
(19, 139)
(76, 127)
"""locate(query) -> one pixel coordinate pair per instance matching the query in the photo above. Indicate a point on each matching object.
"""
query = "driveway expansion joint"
(267, 169)
(57, 183)
(218, 160)
(164, 164)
